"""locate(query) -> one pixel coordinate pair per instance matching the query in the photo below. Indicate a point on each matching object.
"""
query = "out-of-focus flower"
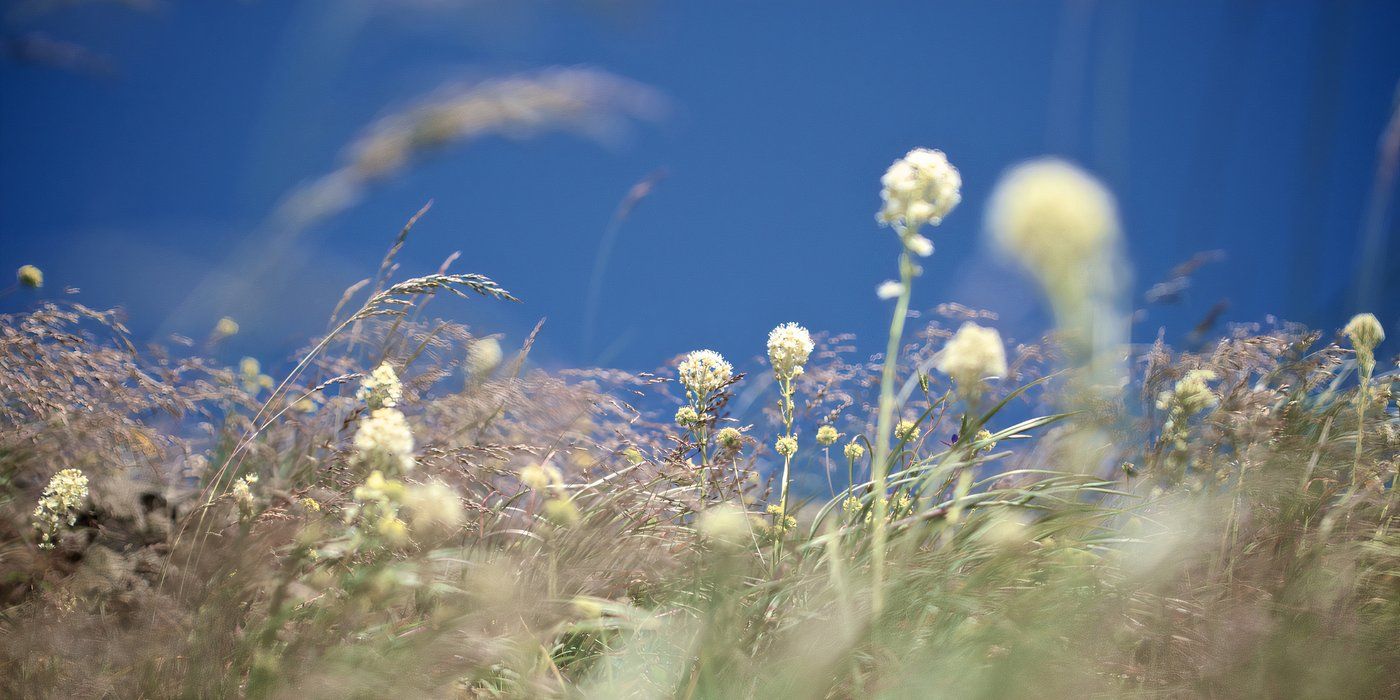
(789, 346)
(433, 506)
(782, 522)
(561, 511)
(30, 276)
(243, 494)
(384, 440)
(827, 435)
(971, 355)
(540, 476)
(1365, 332)
(920, 188)
(786, 446)
(59, 503)
(381, 388)
(1052, 217)
(889, 289)
(225, 328)
(704, 372)
(483, 356)
(250, 373)
(725, 524)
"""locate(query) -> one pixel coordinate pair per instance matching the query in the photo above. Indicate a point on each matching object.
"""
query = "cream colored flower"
(381, 388)
(704, 372)
(786, 446)
(920, 188)
(384, 440)
(1365, 332)
(483, 356)
(854, 450)
(906, 431)
(30, 276)
(225, 327)
(1191, 394)
(433, 506)
(730, 438)
(971, 355)
(1052, 217)
(725, 524)
(541, 476)
(889, 289)
(686, 416)
(59, 503)
(827, 435)
(789, 346)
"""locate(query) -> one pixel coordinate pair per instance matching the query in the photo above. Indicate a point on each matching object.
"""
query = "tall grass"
(1219, 529)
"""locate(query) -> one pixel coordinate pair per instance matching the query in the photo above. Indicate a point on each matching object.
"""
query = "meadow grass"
(412, 511)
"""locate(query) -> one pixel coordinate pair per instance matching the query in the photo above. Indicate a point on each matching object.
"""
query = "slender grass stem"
(879, 463)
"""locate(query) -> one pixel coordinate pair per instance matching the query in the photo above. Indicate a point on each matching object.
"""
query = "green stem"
(879, 464)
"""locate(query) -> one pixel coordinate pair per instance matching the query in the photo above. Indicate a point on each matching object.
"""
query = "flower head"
(906, 431)
(730, 438)
(920, 188)
(971, 355)
(433, 506)
(384, 440)
(1191, 395)
(483, 356)
(243, 494)
(827, 435)
(726, 524)
(225, 327)
(541, 476)
(686, 416)
(789, 346)
(30, 276)
(59, 503)
(704, 372)
(1051, 216)
(1365, 333)
(889, 289)
(786, 446)
(854, 450)
(381, 388)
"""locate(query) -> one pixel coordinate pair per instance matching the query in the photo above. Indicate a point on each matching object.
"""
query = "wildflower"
(243, 494)
(786, 446)
(483, 356)
(225, 328)
(725, 523)
(851, 505)
(381, 388)
(985, 436)
(540, 476)
(920, 188)
(906, 431)
(59, 503)
(561, 511)
(704, 372)
(827, 435)
(854, 450)
(378, 489)
(972, 354)
(782, 522)
(730, 438)
(434, 506)
(889, 289)
(686, 416)
(1365, 333)
(1051, 216)
(385, 440)
(789, 346)
(311, 505)
(30, 276)
(1191, 395)
(251, 374)
(392, 529)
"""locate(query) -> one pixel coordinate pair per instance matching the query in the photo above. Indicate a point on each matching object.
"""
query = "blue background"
(1251, 127)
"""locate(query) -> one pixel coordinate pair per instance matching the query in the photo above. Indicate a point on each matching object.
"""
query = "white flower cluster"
(920, 188)
(704, 372)
(384, 440)
(1051, 216)
(483, 356)
(971, 355)
(1365, 332)
(1191, 395)
(789, 346)
(381, 388)
(59, 503)
(243, 494)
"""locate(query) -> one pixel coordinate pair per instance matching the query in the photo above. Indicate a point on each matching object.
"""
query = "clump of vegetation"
(412, 509)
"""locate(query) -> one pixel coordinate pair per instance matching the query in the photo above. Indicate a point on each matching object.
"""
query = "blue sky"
(1250, 127)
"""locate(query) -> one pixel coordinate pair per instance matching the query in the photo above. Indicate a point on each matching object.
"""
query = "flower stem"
(879, 464)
